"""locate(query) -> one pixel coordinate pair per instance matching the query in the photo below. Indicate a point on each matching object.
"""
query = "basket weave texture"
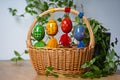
(64, 60)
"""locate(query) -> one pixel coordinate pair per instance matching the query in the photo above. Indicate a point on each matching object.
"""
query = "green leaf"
(46, 6)
(56, 0)
(92, 61)
(88, 74)
(70, 3)
(36, 2)
(74, 6)
(112, 44)
(49, 68)
(85, 65)
(59, 19)
(47, 73)
(52, 0)
(26, 52)
(96, 68)
(16, 53)
(34, 12)
(15, 59)
(12, 11)
(20, 58)
(110, 56)
(116, 41)
(22, 15)
(60, 3)
(77, 19)
(55, 74)
(96, 29)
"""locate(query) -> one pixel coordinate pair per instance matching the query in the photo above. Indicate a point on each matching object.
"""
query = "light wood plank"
(24, 71)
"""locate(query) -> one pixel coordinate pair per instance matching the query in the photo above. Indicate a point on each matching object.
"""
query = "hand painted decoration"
(65, 40)
(51, 27)
(38, 34)
(51, 30)
(79, 34)
(52, 43)
(66, 26)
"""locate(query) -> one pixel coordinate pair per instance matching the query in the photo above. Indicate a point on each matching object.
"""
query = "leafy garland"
(105, 59)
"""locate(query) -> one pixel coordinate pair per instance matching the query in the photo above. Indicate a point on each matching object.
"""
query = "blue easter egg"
(79, 33)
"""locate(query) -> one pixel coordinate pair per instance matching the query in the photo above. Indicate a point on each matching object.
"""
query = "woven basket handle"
(92, 42)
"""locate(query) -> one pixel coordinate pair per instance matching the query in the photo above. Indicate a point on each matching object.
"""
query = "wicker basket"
(64, 60)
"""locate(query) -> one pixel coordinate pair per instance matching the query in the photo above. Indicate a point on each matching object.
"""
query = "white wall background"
(13, 30)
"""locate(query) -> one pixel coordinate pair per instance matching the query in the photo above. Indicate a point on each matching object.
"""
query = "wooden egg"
(51, 27)
(52, 43)
(66, 25)
(40, 44)
(38, 32)
(65, 40)
(79, 33)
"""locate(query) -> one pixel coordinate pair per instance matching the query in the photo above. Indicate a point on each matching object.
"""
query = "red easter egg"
(66, 25)
(65, 40)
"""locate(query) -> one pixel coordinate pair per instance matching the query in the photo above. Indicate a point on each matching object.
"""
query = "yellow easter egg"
(51, 27)
(52, 43)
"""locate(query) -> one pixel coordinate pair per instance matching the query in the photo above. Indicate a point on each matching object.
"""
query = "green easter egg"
(38, 32)
(40, 44)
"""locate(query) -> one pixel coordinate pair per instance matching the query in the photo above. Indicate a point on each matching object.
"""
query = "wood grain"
(24, 71)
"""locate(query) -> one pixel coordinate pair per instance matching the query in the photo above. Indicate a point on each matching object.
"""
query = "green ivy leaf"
(15, 59)
(26, 52)
(59, 19)
(20, 58)
(96, 68)
(36, 3)
(110, 56)
(22, 15)
(77, 19)
(85, 65)
(70, 3)
(52, 0)
(49, 68)
(60, 3)
(12, 11)
(75, 6)
(116, 41)
(92, 61)
(56, 0)
(45, 6)
(47, 73)
(16, 53)
(34, 12)
(96, 29)
(88, 74)
(55, 74)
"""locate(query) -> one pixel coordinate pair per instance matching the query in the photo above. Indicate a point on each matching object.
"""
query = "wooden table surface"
(24, 71)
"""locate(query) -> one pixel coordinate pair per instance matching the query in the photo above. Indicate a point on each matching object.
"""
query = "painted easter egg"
(65, 40)
(52, 43)
(40, 44)
(79, 33)
(51, 27)
(66, 25)
(38, 32)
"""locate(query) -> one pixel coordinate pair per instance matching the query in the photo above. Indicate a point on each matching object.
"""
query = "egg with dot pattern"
(51, 27)
(38, 32)
(79, 33)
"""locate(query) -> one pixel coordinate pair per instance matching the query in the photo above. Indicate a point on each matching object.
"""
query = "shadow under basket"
(63, 60)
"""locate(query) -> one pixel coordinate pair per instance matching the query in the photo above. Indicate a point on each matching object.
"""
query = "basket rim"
(28, 41)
